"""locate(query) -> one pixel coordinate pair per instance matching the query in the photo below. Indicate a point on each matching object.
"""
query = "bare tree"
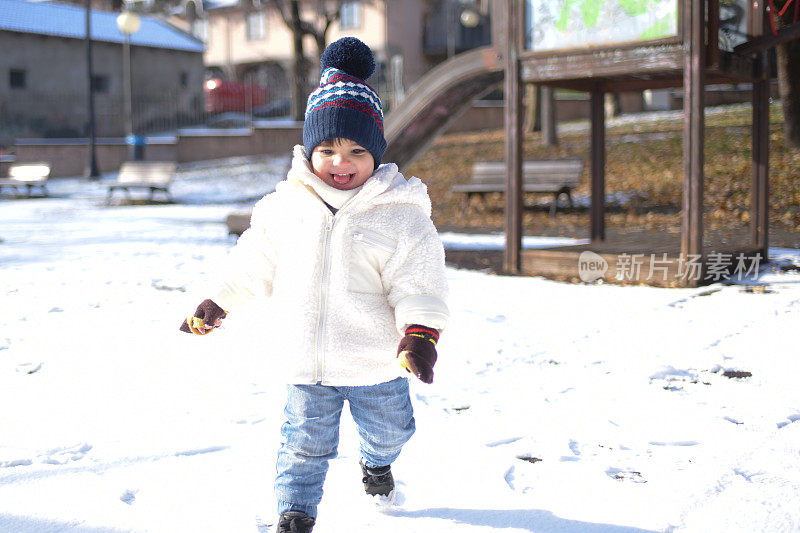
(321, 14)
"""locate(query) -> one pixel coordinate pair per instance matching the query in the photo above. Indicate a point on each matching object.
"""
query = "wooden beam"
(598, 166)
(513, 125)
(694, 131)
(640, 61)
(768, 40)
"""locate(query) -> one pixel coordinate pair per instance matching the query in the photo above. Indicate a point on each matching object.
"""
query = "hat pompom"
(349, 55)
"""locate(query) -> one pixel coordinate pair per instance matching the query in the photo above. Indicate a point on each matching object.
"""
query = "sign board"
(552, 25)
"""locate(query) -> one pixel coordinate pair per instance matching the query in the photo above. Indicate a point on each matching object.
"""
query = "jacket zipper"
(323, 303)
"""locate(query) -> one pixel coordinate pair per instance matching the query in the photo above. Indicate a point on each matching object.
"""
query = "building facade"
(247, 40)
(44, 80)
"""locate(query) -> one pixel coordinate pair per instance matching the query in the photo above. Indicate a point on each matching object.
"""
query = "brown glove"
(417, 351)
(207, 317)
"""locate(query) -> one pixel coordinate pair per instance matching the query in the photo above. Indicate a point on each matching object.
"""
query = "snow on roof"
(69, 21)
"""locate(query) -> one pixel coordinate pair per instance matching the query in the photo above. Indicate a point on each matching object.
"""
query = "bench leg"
(167, 195)
(42, 189)
(556, 196)
(480, 195)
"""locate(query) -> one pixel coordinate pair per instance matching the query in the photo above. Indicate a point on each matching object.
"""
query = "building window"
(350, 16)
(200, 29)
(256, 26)
(100, 84)
(16, 78)
(184, 80)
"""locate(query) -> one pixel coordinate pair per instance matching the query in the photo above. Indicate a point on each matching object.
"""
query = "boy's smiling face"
(342, 163)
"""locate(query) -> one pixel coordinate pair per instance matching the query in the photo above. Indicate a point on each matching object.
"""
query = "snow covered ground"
(555, 408)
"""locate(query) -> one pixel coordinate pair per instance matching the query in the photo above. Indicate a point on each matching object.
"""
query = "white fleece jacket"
(342, 288)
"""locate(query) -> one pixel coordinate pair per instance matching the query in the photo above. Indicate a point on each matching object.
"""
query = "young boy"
(347, 254)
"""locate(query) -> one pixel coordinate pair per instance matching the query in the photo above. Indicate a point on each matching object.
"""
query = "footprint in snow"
(9, 463)
(575, 448)
(62, 456)
(502, 442)
(625, 475)
(791, 419)
(129, 496)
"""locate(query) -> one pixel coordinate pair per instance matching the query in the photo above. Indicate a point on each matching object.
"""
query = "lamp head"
(128, 22)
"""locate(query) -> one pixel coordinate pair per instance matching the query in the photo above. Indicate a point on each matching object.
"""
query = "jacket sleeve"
(415, 278)
(249, 269)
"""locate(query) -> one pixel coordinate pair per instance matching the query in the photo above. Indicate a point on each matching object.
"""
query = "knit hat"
(344, 105)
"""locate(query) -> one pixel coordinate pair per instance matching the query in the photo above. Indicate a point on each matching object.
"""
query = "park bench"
(28, 176)
(151, 175)
(556, 176)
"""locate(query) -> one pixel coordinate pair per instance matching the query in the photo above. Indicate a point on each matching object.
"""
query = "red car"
(223, 96)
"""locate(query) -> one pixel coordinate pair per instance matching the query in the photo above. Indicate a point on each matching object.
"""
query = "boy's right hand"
(207, 317)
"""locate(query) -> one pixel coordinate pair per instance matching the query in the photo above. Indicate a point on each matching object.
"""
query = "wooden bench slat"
(29, 172)
(527, 187)
(550, 179)
(557, 176)
(152, 175)
(27, 175)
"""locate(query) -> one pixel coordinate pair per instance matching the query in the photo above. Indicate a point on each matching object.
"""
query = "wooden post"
(712, 48)
(598, 166)
(693, 132)
(549, 135)
(759, 185)
(513, 123)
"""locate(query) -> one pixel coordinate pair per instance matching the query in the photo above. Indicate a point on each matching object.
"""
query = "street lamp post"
(129, 23)
(92, 172)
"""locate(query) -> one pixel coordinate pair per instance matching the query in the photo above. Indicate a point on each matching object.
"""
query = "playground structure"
(688, 44)
(683, 43)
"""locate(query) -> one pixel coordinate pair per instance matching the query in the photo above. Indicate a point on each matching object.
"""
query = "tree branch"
(281, 8)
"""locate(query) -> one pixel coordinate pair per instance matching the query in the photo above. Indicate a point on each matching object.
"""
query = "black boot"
(295, 522)
(377, 480)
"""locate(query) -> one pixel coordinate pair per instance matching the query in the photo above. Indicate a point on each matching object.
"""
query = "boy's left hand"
(417, 351)
(207, 317)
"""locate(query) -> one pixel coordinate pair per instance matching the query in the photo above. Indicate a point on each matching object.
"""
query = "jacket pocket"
(370, 251)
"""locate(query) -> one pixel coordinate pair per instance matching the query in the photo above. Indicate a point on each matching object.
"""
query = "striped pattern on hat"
(344, 106)
(339, 89)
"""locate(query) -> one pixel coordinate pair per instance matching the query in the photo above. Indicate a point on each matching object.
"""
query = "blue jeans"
(385, 422)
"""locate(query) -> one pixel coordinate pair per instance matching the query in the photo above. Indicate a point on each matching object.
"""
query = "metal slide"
(437, 100)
